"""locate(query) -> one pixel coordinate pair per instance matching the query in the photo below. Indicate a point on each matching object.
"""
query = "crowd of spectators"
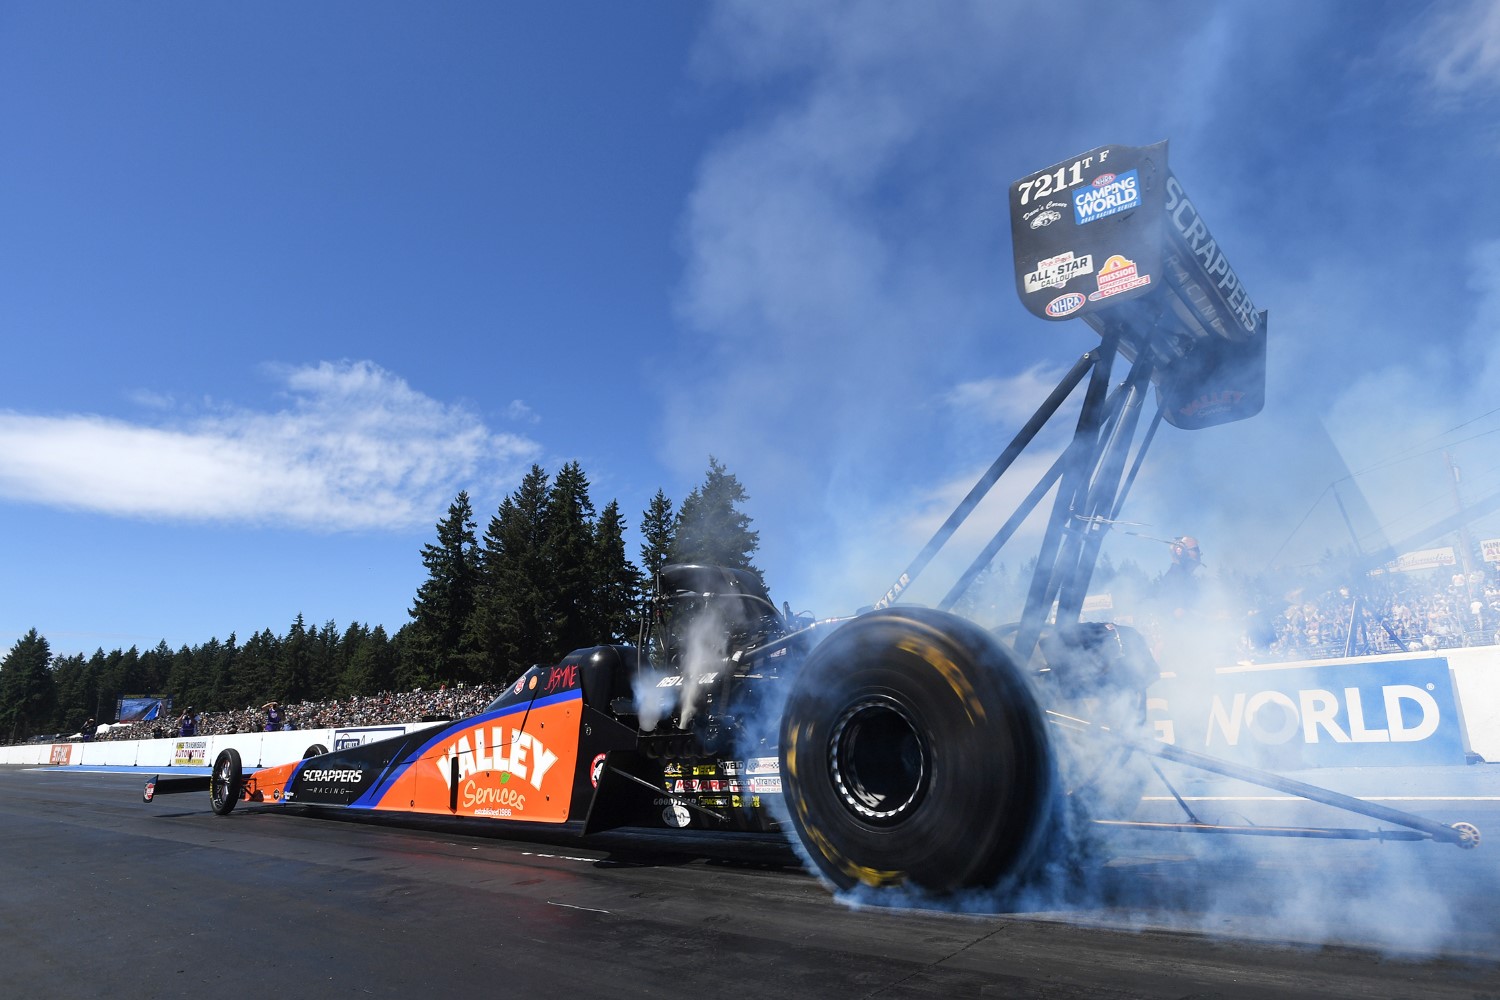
(388, 707)
(1392, 614)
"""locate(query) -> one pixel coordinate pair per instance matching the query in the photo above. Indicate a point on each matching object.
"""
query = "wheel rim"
(221, 782)
(878, 761)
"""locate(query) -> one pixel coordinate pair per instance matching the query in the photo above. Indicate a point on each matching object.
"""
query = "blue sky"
(278, 280)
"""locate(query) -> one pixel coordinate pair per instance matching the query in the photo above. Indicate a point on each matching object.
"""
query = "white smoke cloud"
(854, 337)
(354, 447)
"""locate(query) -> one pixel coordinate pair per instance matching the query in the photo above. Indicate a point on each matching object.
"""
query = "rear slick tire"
(913, 753)
(227, 782)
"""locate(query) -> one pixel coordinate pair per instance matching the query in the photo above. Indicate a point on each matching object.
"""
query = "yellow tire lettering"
(920, 647)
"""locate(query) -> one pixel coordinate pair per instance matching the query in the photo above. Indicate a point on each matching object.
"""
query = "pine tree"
(370, 661)
(28, 695)
(710, 526)
(512, 625)
(70, 676)
(445, 600)
(617, 583)
(568, 550)
(294, 665)
(253, 680)
(657, 531)
(223, 669)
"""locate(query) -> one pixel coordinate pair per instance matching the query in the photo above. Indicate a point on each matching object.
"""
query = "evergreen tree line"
(549, 574)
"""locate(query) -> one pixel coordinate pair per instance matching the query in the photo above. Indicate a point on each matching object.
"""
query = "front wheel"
(227, 783)
(914, 753)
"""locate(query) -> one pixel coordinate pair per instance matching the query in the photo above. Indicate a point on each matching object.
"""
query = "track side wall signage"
(1367, 714)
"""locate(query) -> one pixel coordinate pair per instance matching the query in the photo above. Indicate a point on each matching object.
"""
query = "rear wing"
(1112, 238)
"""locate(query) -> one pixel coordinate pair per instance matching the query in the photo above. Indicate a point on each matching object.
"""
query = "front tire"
(914, 753)
(227, 782)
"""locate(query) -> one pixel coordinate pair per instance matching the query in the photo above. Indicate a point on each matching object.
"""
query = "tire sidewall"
(988, 783)
(227, 764)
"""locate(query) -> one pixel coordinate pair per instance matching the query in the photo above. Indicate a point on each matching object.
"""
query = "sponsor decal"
(1045, 219)
(523, 756)
(596, 770)
(764, 765)
(1106, 195)
(1044, 215)
(1201, 244)
(734, 786)
(520, 684)
(702, 770)
(1118, 276)
(1055, 272)
(676, 680)
(499, 802)
(766, 785)
(502, 770)
(1066, 305)
(337, 775)
(679, 785)
(532, 684)
(672, 770)
(901, 584)
(561, 679)
(1212, 403)
(735, 767)
(676, 815)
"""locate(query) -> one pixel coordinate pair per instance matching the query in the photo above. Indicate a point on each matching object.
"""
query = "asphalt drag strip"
(104, 893)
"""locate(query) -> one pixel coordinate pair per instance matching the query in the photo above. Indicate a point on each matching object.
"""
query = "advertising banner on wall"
(190, 753)
(1423, 559)
(1491, 549)
(343, 739)
(1374, 713)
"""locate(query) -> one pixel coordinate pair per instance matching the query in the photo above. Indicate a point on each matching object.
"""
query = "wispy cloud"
(353, 447)
(519, 411)
(1005, 400)
(1460, 47)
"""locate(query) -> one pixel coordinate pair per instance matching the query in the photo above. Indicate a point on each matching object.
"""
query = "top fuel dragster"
(903, 745)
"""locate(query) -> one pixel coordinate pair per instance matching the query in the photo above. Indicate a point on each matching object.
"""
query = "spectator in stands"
(1177, 589)
(188, 724)
(273, 716)
(89, 729)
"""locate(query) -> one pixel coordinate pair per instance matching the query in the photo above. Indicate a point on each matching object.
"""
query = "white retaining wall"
(1475, 673)
(256, 749)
